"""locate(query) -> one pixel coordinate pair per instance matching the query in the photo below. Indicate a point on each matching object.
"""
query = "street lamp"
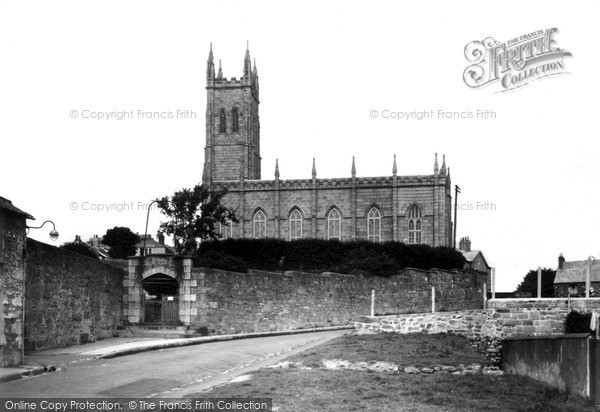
(143, 252)
(53, 232)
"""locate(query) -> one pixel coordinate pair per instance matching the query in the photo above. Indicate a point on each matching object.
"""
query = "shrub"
(217, 260)
(578, 322)
(318, 255)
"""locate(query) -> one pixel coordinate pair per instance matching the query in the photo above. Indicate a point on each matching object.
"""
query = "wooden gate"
(164, 311)
(170, 309)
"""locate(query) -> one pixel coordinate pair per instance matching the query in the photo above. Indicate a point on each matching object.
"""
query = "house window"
(259, 225)
(222, 121)
(374, 225)
(334, 225)
(226, 230)
(295, 225)
(415, 225)
(235, 120)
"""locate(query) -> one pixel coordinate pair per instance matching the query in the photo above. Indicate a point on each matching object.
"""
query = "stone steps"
(152, 331)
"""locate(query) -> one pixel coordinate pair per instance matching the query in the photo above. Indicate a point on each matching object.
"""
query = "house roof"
(576, 271)
(472, 254)
(151, 243)
(7, 205)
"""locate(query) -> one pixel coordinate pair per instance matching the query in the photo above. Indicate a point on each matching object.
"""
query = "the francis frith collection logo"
(516, 62)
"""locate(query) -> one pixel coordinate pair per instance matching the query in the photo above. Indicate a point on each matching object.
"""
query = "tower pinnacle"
(210, 67)
(443, 169)
(353, 170)
(247, 65)
(436, 168)
(394, 167)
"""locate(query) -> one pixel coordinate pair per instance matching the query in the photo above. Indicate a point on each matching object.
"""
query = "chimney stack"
(465, 244)
(161, 238)
(561, 261)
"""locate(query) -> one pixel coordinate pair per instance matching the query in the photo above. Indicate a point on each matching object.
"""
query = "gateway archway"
(161, 300)
(159, 290)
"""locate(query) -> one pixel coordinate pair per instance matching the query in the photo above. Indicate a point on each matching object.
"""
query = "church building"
(409, 209)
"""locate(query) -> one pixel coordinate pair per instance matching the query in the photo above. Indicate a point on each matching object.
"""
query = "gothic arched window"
(226, 229)
(259, 225)
(334, 224)
(295, 225)
(415, 225)
(235, 120)
(222, 121)
(374, 225)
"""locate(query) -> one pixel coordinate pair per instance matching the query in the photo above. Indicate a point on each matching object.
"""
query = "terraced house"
(410, 209)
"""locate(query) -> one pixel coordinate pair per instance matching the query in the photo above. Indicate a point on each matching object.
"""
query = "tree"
(80, 249)
(529, 283)
(121, 241)
(194, 215)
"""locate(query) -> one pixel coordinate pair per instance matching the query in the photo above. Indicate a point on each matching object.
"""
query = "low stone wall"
(547, 304)
(70, 299)
(486, 328)
(229, 302)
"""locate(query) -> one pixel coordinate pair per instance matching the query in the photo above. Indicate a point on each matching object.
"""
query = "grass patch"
(421, 350)
(337, 391)
(345, 390)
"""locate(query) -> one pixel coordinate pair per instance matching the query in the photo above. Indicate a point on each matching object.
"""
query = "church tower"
(232, 124)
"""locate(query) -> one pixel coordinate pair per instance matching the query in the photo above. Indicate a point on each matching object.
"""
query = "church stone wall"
(71, 299)
(229, 302)
(393, 196)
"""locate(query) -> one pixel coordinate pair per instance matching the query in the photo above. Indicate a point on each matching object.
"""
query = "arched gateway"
(157, 290)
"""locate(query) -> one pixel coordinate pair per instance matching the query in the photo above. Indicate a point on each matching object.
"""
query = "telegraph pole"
(456, 192)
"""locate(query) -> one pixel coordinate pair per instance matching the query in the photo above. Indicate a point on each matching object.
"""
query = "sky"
(528, 177)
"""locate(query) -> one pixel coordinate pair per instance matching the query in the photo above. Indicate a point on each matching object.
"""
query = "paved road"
(167, 373)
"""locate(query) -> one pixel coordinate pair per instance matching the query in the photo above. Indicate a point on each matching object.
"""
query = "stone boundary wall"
(70, 299)
(229, 302)
(12, 242)
(557, 304)
(486, 328)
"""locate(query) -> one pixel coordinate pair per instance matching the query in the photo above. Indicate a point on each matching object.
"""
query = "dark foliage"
(578, 322)
(529, 283)
(121, 241)
(316, 255)
(217, 260)
(80, 249)
(194, 214)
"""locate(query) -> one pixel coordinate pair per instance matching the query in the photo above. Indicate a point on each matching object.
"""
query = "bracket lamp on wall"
(53, 232)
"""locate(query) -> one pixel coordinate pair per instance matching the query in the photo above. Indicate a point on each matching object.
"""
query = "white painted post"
(587, 279)
(539, 283)
(373, 302)
(493, 283)
(432, 299)
(485, 295)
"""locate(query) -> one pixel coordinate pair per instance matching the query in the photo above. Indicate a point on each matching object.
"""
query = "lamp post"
(53, 232)
(143, 252)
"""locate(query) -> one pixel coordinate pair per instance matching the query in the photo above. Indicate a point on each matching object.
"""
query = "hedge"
(577, 322)
(317, 255)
